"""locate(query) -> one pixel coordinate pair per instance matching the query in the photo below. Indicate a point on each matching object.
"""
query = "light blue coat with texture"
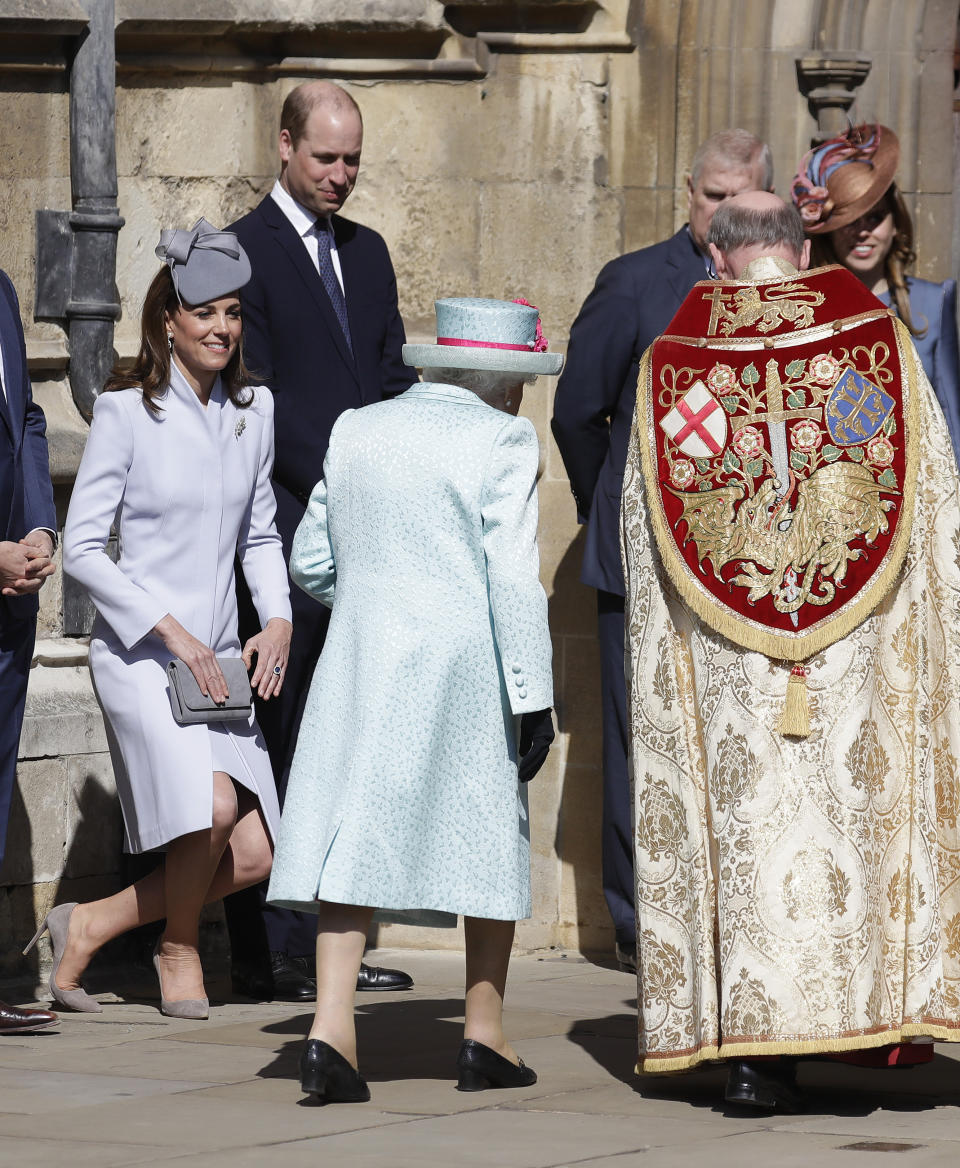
(403, 793)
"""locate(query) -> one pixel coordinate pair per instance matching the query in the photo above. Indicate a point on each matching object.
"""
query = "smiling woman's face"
(205, 337)
(863, 245)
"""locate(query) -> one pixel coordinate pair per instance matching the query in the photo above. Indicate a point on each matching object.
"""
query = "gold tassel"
(795, 720)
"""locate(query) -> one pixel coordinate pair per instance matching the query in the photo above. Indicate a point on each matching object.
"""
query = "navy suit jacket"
(934, 307)
(26, 495)
(634, 299)
(294, 344)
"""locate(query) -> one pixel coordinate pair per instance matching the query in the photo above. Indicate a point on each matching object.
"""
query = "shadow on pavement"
(405, 1039)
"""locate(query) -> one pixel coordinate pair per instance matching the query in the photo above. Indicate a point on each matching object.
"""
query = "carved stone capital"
(829, 82)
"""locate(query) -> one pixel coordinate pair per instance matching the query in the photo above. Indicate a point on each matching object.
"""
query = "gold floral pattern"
(735, 774)
(662, 827)
(866, 759)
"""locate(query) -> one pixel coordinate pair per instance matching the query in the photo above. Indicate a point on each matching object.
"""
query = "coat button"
(523, 693)
(520, 681)
(516, 669)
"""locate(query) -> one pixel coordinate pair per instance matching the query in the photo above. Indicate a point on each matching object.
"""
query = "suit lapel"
(292, 244)
(685, 265)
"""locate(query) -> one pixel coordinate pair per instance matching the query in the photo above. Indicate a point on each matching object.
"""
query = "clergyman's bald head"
(756, 223)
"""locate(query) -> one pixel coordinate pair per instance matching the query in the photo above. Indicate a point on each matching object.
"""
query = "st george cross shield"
(697, 423)
(775, 423)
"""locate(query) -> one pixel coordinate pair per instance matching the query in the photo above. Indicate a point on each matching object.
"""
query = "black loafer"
(374, 977)
(764, 1086)
(324, 1072)
(480, 1068)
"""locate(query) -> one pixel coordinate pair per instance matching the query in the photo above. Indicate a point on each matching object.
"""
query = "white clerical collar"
(302, 220)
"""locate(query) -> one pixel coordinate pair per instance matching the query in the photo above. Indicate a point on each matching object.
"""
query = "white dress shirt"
(304, 223)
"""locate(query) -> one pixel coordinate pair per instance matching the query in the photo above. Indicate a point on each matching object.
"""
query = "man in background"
(323, 330)
(632, 302)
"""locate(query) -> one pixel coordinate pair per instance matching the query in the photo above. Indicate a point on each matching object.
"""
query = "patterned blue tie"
(329, 278)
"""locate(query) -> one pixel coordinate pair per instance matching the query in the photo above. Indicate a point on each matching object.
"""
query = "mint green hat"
(500, 335)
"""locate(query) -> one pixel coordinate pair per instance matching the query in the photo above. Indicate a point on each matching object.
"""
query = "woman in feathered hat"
(851, 206)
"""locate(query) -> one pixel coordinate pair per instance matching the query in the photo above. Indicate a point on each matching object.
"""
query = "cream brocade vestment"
(797, 895)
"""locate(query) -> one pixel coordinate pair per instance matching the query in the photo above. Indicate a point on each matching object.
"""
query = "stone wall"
(509, 150)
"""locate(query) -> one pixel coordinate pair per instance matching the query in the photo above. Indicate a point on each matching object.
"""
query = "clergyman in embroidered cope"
(797, 894)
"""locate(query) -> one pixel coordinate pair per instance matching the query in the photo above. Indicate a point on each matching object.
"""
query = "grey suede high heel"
(57, 924)
(195, 1008)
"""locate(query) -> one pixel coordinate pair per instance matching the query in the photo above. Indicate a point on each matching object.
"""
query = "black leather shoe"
(765, 1086)
(374, 977)
(252, 981)
(289, 984)
(370, 977)
(324, 1072)
(626, 957)
(480, 1068)
(16, 1020)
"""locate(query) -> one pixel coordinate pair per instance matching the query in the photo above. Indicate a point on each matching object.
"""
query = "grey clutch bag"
(188, 703)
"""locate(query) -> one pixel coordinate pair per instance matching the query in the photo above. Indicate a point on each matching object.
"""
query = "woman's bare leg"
(341, 936)
(244, 861)
(188, 870)
(488, 946)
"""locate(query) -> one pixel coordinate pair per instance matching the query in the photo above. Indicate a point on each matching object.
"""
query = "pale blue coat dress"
(403, 793)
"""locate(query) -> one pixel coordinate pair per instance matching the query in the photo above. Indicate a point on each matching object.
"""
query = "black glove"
(536, 734)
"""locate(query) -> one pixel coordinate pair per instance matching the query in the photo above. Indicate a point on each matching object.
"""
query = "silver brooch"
(239, 427)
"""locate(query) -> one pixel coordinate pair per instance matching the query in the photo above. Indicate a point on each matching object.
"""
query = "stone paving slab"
(128, 1087)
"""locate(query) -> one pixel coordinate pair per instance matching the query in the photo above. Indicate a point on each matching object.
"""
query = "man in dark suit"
(632, 302)
(27, 533)
(323, 330)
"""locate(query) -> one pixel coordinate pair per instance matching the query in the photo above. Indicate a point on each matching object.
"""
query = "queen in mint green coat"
(403, 792)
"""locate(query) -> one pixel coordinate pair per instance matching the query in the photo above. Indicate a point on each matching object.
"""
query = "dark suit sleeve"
(39, 510)
(394, 374)
(602, 346)
(256, 332)
(946, 363)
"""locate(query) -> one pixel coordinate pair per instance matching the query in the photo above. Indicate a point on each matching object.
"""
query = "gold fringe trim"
(837, 1045)
(750, 634)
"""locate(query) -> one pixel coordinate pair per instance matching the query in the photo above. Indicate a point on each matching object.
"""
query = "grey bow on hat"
(205, 263)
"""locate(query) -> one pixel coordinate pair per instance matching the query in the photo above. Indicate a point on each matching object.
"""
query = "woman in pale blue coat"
(404, 793)
(857, 217)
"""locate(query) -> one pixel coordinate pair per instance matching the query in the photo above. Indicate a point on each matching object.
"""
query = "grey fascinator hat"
(205, 263)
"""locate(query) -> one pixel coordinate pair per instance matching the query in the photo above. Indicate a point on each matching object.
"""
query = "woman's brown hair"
(899, 258)
(151, 369)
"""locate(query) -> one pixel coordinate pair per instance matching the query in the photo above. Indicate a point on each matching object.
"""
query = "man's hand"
(40, 540)
(25, 565)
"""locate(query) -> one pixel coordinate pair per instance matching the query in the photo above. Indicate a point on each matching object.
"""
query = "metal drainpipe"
(77, 250)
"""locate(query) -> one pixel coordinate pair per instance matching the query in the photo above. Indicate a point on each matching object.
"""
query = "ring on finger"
(277, 671)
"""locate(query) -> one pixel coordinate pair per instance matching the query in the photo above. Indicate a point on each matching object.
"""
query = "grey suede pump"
(57, 924)
(195, 1008)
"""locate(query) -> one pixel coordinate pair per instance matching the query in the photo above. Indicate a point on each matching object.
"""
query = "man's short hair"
(733, 227)
(736, 148)
(302, 101)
